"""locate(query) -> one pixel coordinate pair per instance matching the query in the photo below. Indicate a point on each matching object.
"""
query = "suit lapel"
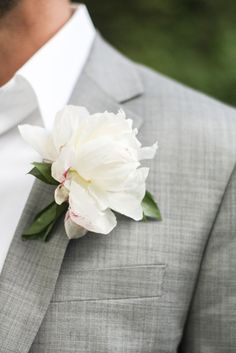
(28, 278)
(31, 269)
(88, 94)
(107, 82)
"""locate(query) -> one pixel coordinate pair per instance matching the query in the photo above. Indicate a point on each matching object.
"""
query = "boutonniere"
(94, 161)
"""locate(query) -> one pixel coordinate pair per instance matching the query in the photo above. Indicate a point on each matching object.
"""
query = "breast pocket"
(142, 281)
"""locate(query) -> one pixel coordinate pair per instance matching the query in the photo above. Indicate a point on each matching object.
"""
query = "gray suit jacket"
(147, 287)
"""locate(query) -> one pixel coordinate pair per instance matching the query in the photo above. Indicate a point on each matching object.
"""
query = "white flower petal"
(62, 164)
(97, 154)
(99, 195)
(40, 140)
(128, 202)
(113, 176)
(61, 194)
(85, 212)
(73, 230)
(136, 179)
(147, 152)
(127, 205)
(103, 125)
(66, 123)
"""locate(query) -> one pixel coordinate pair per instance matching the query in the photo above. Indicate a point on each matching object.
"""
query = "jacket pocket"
(138, 281)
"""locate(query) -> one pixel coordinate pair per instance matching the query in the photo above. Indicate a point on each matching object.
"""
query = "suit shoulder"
(184, 110)
(159, 85)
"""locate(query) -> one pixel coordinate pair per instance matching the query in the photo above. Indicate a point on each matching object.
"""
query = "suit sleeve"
(211, 323)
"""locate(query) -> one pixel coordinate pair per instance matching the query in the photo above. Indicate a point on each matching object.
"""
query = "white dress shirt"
(34, 95)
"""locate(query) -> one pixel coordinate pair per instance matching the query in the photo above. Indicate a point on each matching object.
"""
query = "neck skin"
(24, 29)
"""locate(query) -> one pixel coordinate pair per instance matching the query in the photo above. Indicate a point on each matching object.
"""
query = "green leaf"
(45, 235)
(42, 171)
(35, 172)
(42, 235)
(45, 221)
(150, 208)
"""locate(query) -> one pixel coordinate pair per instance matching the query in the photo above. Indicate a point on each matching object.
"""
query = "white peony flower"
(96, 160)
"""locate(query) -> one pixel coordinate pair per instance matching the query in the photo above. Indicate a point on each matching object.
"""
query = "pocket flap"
(111, 283)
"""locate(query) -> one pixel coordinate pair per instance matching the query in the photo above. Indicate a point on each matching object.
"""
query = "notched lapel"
(31, 269)
(92, 97)
(113, 72)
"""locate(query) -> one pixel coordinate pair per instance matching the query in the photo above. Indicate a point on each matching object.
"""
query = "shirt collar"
(54, 69)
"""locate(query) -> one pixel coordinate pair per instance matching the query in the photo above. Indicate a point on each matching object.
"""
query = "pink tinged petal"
(66, 123)
(61, 194)
(62, 164)
(85, 211)
(73, 230)
(147, 152)
(40, 139)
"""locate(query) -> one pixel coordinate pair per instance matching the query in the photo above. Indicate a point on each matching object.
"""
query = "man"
(149, 286)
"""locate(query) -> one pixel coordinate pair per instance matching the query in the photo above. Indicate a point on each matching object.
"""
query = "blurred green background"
(193, 41)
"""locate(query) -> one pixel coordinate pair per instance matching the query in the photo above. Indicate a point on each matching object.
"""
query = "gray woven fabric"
(147, 287)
